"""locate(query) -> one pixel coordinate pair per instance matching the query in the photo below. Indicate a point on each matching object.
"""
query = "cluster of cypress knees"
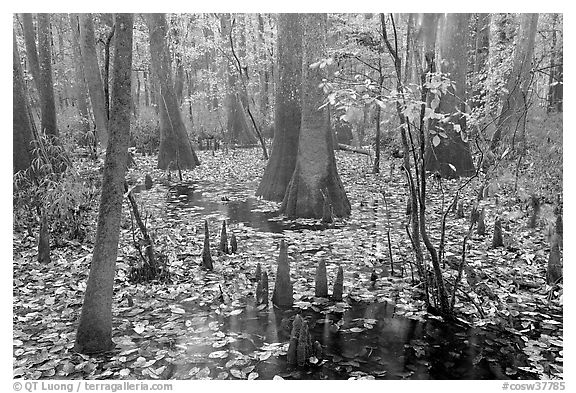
(301, 350)
(554, 268)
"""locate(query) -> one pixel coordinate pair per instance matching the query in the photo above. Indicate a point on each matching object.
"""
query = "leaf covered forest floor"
(159, 327)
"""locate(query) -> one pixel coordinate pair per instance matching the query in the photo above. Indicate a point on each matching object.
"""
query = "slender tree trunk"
(512, 120)
(80, 80)
(95, 327)
(315, 184)
(288, 110)
(31, 51)
(481, 59)
(106, 77)
(93, 77)
(555, 81)
(22, 127)
(264, 71)
(448, 152)
(48, 123)
(175, 149)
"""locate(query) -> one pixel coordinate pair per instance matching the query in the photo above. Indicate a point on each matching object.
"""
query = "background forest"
(170, 169)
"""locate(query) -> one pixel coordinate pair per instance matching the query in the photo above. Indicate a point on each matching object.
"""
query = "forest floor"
(192, 326)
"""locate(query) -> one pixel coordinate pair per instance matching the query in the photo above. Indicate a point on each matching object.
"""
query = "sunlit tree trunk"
(449, 153)
(511, 124)
(555, 81)
(95, 327)
(22, 126)
(175, 148)
(315, 183)
(482, 49)
(48, 123)
(288, 110)
(31, 51)
(93, 77)
(80, 79)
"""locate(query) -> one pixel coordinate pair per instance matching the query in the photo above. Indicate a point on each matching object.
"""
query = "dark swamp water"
(366, 339)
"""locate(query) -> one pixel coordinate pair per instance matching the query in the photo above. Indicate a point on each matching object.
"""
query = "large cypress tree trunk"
(22, 127)
(80, 82)
(48, 122)
(175, 146)
(93, 77)
(511, 124)
(95, 328)
(448, 152)
(288, 110)
(315, 183)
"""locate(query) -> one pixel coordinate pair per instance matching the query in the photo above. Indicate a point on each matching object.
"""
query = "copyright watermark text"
(89, 386)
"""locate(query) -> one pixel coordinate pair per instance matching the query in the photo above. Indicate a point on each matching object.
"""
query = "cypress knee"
(294, 335)
(554, 269)
(233, 244)
(338, 286)
(497, 237)
(321, 281)
(223, 248)
(206, 256)
(481, 230)
(148, 182)
(282, 296)
(474, 214)
(535, 204)
(460, 210)
(262, 290)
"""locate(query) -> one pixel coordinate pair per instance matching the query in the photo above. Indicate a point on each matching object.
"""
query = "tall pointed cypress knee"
(304, 348)
(338, 286)
(321, 281)
(282, 296)
(223, 248)
(295, 334)
(233, 244)
(497, 237)
(206, 256)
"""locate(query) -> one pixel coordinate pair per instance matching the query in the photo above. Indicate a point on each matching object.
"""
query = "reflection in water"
(365, 339)
(188, 196)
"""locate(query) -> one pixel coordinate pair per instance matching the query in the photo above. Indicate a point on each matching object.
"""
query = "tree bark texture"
(452, 150)
(31, 51)
(175, 148)
(48, 107)
(288, 110)
(93, 77)
(95, 328)
(79, 74)
(482, 49)
(511, 124)
(22, 127)
(315, 180)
